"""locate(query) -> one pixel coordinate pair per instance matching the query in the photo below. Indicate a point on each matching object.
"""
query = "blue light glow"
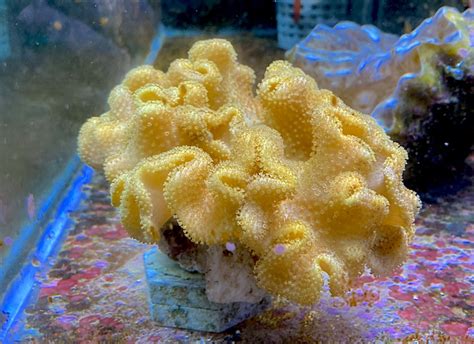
(64, 196)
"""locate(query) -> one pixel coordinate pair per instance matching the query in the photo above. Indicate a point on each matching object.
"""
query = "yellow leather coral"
(151, 111)
(304, 182)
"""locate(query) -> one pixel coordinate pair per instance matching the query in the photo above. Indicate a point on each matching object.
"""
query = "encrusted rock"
(229, 276)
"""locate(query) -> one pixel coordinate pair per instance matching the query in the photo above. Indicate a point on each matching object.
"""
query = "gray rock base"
(178, 298)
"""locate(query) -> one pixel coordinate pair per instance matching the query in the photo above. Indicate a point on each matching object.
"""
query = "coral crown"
(304, 182)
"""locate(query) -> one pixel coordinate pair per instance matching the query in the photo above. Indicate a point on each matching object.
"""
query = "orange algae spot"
(103, 21)
(57, 25)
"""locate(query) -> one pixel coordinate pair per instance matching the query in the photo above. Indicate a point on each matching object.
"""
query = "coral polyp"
(294, 176)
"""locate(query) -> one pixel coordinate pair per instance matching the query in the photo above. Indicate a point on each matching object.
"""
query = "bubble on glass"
(35, 262)
(8, 241)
